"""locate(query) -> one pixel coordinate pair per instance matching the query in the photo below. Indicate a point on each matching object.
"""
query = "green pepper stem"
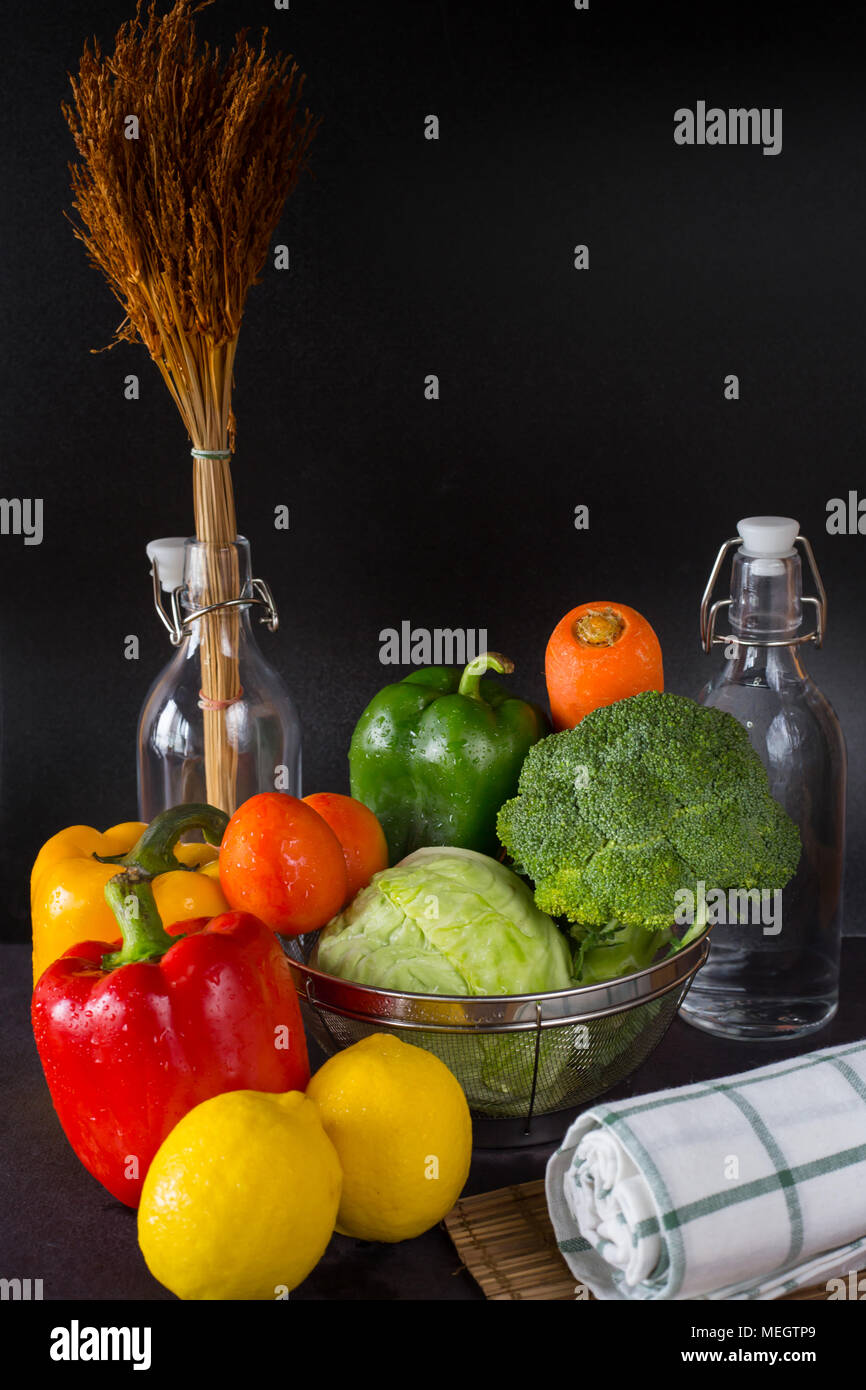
(470, 681)
(153, 852)
(130, 897)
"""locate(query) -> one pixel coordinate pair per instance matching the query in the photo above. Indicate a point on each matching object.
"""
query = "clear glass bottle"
(775, 984)
(218, 724)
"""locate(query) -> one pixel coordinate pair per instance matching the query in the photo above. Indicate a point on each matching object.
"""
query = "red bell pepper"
(132, 1040)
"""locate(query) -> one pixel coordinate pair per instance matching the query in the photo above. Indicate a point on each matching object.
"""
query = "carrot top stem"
(600, 627)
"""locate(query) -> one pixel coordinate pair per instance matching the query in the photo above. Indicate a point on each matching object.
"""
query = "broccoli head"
(643, 798)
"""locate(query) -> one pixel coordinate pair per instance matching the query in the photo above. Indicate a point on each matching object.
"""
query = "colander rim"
(634, 988)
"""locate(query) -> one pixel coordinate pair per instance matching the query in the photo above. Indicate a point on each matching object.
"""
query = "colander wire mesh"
(514, 1056)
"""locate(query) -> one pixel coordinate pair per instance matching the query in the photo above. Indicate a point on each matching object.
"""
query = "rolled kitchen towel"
(747, 1187)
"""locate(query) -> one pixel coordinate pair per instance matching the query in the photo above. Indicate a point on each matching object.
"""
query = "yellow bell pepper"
(68, 882)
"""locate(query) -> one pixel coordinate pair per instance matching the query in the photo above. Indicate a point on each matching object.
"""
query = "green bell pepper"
(436, 754)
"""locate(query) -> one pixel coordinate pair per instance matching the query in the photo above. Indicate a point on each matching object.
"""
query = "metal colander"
(518, 1057)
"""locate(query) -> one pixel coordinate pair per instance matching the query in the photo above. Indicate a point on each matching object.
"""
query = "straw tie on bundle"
(179, 220)
(747, 1187)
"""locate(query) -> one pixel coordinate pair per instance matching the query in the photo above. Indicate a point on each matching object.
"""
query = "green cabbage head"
(446, 921)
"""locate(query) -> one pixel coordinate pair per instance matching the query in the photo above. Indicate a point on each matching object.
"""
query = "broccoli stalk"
(645, 799)
(614, 951)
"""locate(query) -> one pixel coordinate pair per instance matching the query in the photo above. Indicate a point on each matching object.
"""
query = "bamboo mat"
(505, 1240)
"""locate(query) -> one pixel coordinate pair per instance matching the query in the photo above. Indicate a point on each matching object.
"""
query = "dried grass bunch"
(178, 214)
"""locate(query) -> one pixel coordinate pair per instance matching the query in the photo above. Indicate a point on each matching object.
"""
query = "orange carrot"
(597, 654)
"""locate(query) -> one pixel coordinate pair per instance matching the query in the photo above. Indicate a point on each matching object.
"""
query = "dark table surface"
(57, 1224)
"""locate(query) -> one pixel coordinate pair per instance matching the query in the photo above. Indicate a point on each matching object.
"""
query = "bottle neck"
(215, 574)
(766, 597)
(766, 607)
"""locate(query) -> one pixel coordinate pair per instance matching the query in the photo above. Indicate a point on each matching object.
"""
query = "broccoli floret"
(643, 798)
(745, 843)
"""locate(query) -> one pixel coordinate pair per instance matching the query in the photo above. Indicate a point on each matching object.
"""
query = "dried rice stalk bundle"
(185, 162)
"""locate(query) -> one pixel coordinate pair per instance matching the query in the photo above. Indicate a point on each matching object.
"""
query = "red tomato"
(281, 862)
(359, 832)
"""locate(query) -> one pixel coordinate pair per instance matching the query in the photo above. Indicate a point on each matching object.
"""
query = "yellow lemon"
(400, 1123)
(241, 1198)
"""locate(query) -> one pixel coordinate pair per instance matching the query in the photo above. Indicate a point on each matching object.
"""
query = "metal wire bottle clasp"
(178, 624)
(710, 610)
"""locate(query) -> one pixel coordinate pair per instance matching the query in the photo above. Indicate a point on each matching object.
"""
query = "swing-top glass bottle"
(780, 979)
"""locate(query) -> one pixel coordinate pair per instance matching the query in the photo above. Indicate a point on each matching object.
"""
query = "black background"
(454, 257)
